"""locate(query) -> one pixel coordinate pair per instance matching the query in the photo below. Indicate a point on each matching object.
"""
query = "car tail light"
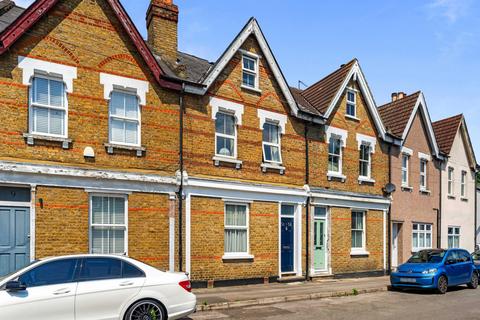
(186, 285)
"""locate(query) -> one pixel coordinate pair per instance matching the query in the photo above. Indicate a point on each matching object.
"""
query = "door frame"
(395, 226)
(297, 239)
(327, 232)
(25, 205)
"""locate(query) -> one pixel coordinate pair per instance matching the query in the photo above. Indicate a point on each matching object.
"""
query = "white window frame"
(363, 249)
(406, 169)
(369, 162)
(463, 185)
(340, 156)
(237, 255)
(451, 181)
(256, 59)
(90, 218)
(352, 103)
(424, 232)
(454, 235)
(222, 135)
(39, 105)
(424, 174)
(278, 145)
(112, 117)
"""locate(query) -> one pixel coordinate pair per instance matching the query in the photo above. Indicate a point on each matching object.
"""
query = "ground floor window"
(236, 228)
(108, 224)
(358, 230)
(421, 236)
(453, 237)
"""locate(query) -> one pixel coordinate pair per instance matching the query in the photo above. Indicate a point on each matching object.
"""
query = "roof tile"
(445, 132)
(395, 115)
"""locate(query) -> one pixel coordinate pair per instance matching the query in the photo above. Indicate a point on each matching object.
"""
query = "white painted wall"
(478, 217)
(458, 212)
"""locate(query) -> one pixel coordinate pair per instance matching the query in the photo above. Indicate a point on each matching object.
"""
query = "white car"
(95, 287)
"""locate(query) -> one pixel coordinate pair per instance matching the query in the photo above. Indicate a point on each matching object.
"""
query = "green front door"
(319, 245)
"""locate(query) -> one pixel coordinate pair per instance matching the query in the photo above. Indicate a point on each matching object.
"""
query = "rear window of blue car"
(427, 256)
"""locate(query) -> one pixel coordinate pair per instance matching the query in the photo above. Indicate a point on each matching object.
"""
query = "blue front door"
(14, 239)
(287, 245)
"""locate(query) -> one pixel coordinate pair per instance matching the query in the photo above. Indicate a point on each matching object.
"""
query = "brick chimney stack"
(162, 27)
(398, 95)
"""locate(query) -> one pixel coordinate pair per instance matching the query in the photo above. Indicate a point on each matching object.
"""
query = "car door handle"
(126, 284)
(61, 291)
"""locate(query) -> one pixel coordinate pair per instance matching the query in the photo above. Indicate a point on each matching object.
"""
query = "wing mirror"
(15, 286)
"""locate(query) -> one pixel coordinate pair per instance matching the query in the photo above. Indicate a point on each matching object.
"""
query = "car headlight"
(429, 271)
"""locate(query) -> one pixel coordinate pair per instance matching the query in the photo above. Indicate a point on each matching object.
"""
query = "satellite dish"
(390, 188)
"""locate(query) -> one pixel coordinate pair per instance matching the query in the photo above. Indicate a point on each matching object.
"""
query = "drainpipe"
(180, 188)
(307, 211)
(389, 214)
(439, 212)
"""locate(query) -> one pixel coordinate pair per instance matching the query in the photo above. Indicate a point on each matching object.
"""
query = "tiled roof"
(445, 132)
(395, 115)
(189, 67)
(321, 94)
(302, 103)
(9, 12)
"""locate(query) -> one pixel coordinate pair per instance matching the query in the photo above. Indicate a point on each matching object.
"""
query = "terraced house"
(415, 170)
(458, 178)
(348, 171)
(218, 169)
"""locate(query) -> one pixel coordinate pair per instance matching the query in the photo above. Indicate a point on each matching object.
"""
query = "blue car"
(476, 260)
(436, 269)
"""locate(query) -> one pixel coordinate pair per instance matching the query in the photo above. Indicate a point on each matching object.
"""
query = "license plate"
(408, 280)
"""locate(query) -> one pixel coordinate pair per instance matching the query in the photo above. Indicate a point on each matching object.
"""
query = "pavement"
(459, 303)
(266, 294)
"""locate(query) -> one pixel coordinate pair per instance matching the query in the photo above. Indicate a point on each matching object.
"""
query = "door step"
(289, 279)
(322, 277)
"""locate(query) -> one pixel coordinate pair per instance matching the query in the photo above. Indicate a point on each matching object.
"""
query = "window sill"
(237, 256)
(425, 191)
(256, 90)
(464, 199)
(31, 137)
(349, 117)
(336, 175)
(359, 253)
(111, 147)
(407, 188)
(452, 197)
(218, 160)
(365, 180)
(272, 166)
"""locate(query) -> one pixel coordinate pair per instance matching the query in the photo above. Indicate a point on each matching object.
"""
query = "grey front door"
(14, 239)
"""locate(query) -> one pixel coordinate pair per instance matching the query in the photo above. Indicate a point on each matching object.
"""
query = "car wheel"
(442, 285)
(146, 310)
(473, 284)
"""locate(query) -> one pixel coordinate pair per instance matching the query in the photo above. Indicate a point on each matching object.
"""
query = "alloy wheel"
(442, 286)
(146, 311)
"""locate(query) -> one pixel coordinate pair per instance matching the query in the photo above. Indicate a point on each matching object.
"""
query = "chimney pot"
(162, 27)
(401, 95)
(394, 96)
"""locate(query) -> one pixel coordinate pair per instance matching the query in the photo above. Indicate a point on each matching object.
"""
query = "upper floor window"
(423, 174)
(335, 155)
(365, 160)
(405, 168)
(271, 143)
(250, 71)
(124, 118)
(351, 103)
(225, 135)
(48, 107)
(451, 185)
(464, 185)
(108, 223)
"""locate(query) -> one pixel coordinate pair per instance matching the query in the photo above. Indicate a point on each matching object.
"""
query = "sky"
(402, 45)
